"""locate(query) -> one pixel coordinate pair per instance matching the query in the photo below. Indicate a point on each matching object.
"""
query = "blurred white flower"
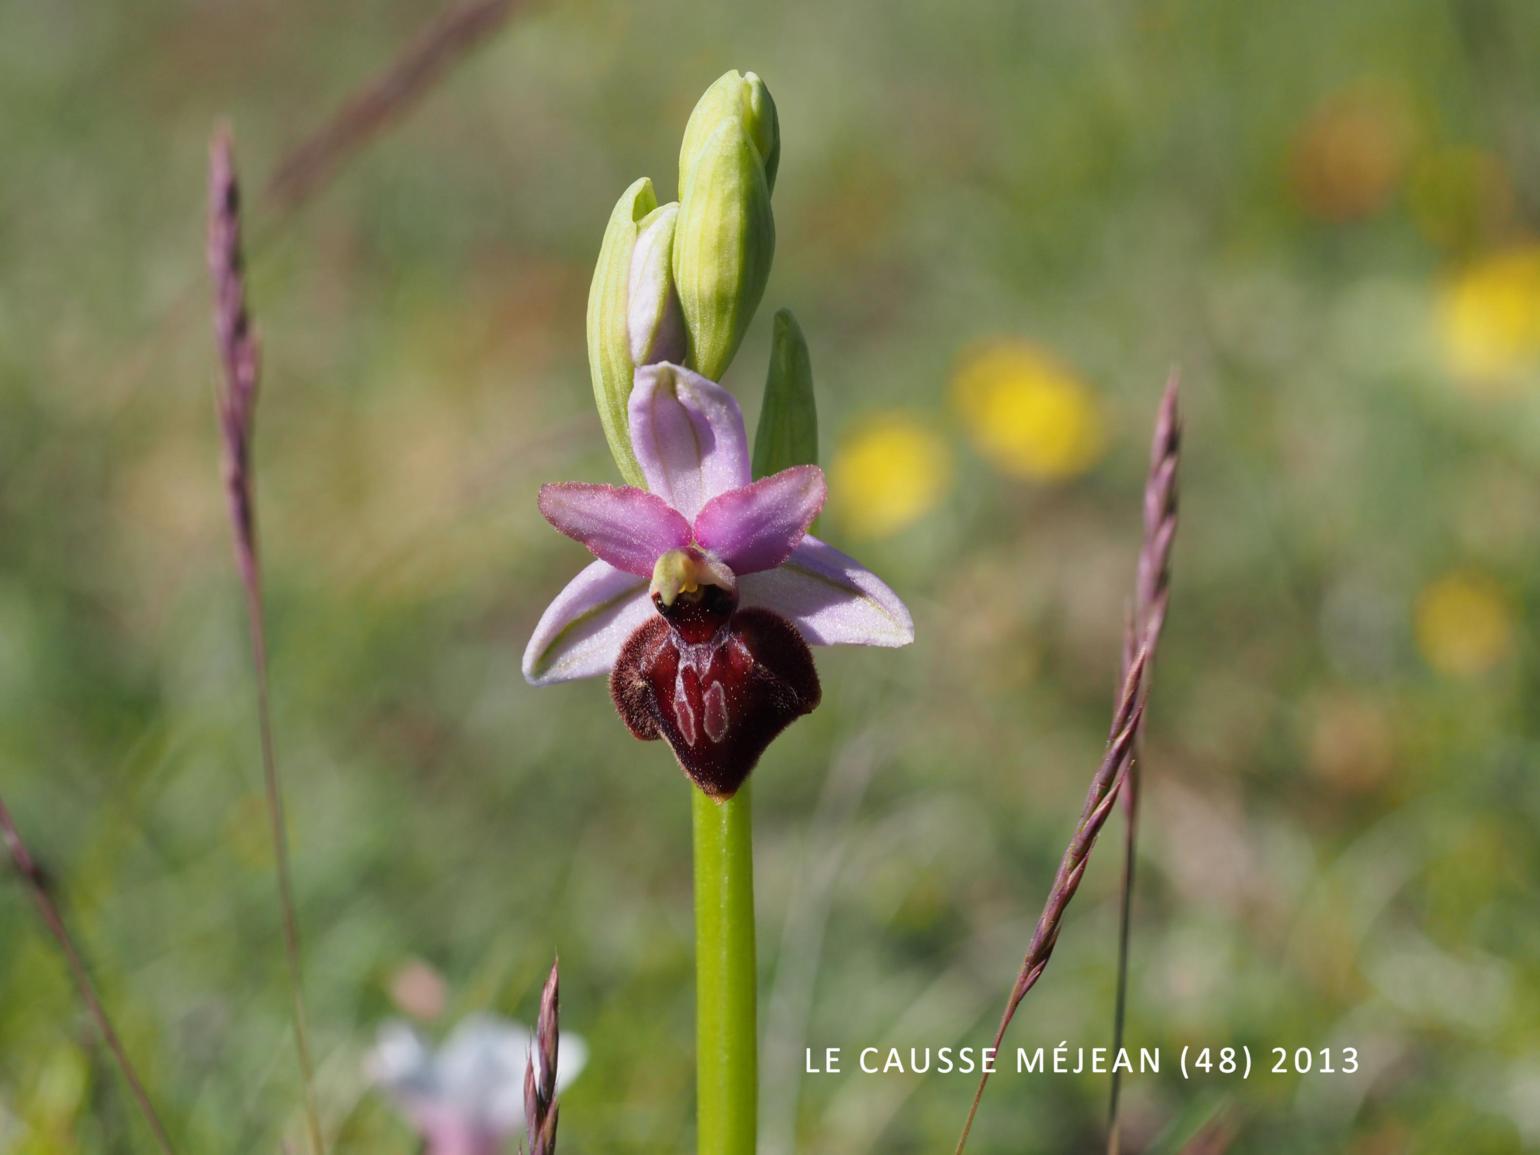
(466, 1098)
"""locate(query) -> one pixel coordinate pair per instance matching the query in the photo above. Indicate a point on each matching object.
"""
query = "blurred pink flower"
(466, 1098)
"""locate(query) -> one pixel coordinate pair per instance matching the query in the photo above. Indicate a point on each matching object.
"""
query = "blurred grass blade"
(1202, 1127)
(787, 434)
(310, 165)
(37, 884)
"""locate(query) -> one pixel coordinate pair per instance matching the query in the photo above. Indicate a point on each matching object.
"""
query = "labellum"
(718, 683)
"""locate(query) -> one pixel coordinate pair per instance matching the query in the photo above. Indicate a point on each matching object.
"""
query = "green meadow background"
(1000, 226)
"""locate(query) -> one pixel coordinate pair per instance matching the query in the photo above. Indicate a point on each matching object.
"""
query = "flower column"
(707, 589)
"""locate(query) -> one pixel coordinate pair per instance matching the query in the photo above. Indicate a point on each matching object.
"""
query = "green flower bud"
(788, 420)
(633, 312)
(741, 97)
(724, 238)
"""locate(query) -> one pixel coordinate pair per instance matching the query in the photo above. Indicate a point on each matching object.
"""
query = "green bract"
(724, 239)
(788, 421)
(609, 338)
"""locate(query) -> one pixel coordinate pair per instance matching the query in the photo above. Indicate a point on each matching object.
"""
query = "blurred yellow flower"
(1464, 624)
(889, 473)
(1489, 317)
(1028, 414)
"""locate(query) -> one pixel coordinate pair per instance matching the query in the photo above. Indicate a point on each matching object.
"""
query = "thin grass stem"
(1099, 802)
(32, 875)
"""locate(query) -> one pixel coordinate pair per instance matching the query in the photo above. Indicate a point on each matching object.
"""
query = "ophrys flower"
(707, 588)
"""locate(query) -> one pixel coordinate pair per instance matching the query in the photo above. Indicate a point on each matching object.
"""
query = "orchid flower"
(466, 1098)
(708, 587)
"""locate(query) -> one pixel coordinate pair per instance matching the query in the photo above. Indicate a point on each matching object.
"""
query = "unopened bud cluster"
(680, 282)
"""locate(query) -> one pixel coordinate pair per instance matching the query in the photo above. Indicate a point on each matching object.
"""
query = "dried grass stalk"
(240, 356)
(1152, 593)
(540, 1107)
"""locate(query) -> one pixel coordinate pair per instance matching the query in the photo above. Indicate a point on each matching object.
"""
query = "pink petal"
(756, 527)
(687, 433)
(582, 631)
(629, 528)
(832, 599)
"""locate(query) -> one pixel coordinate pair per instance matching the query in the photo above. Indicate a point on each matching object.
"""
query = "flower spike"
(707, 589)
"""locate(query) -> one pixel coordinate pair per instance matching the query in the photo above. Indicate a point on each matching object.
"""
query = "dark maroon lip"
(717, 683)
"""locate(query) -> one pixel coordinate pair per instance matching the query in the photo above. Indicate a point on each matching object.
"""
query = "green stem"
(727, 1051)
